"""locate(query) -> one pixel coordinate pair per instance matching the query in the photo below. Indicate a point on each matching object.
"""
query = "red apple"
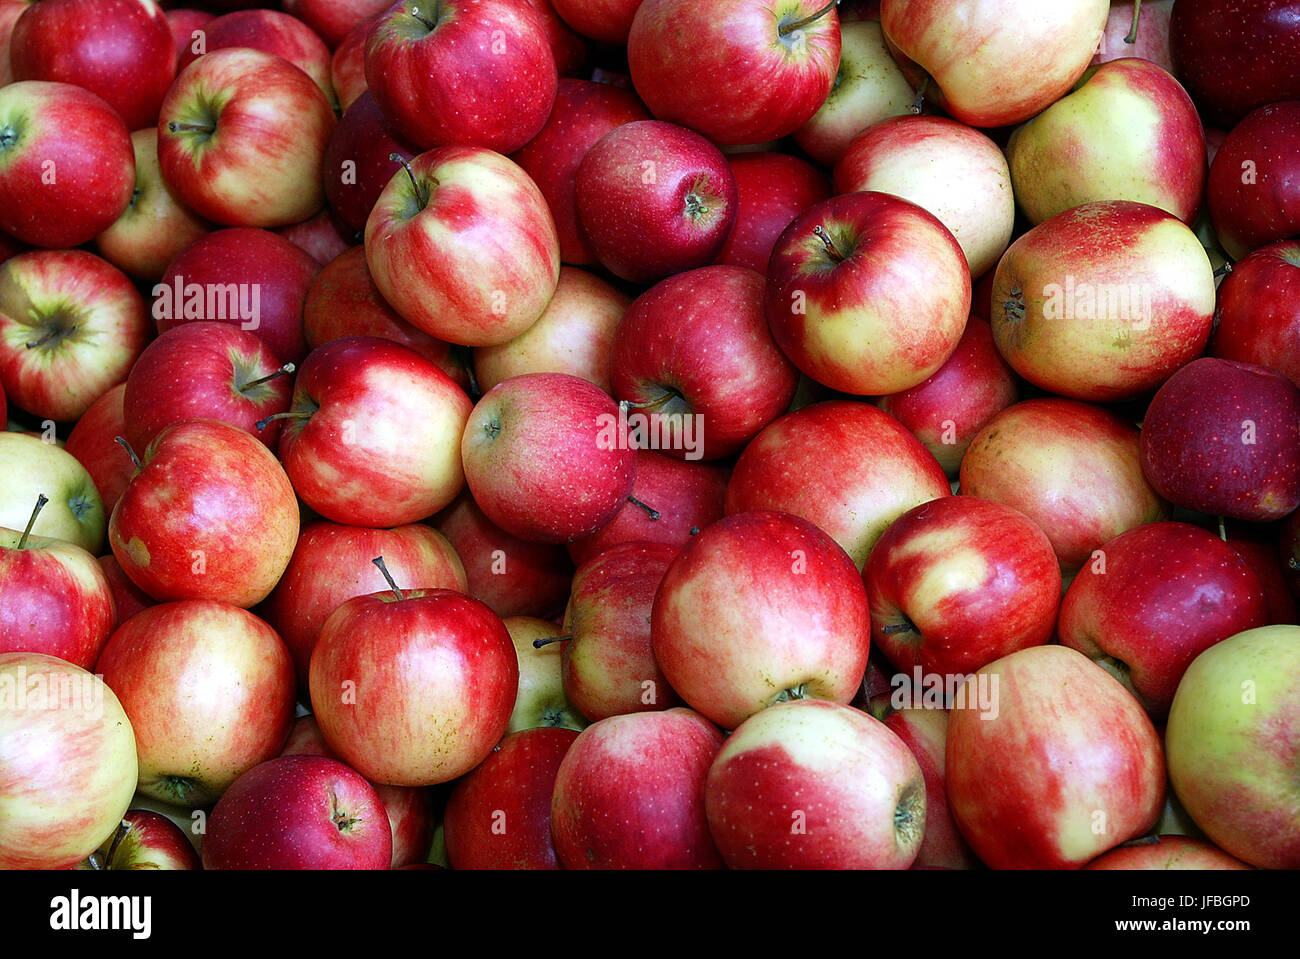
(334, 19)
(1252, 192)
(771, 189)
(605, 20)
(357, 164)
(144, 839)
(1258, 320)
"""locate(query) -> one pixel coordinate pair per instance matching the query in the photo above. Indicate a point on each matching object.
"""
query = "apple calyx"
(1013, 307)
(789, 29)
(179, 789)
(831, 249)
(909, 815)
(342, 820)
(700, 200)
(1133, 31)
(547, 640)
(244, 388)
(649, 510)
(793, 693)
(379, 561)
(121, 441)
(9, 136)
(422, 193)
(41, 500)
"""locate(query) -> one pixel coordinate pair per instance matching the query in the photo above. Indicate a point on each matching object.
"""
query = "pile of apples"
(650, 434)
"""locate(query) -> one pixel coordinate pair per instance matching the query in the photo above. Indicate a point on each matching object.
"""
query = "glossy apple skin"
(882, 311)
(1152, 599)
(1104, 301)
(654, 199)
(952, 406)
(605, 20)
(1223, 437)
(948, 168)
(974, 581)
(760, 604)
(333, 19)
(413, 691)
(1168, 852)
(348, 64)
(1258, 320)
(697, 345)
(1252, 193)
(260, 164)
(125, 59)
(499, 815)
(629, 794)
(772, 189)
(583, 113)
(846, 466)
(1047, 783)
(480, 74)
(1231, 740)
(67, 774)
(379, 447)
(815, 785)
(299, 812)
(89, 323)
(357, 164)
(925, 732)
(1219, 54)
(209, 688)
(257, 259)
(472, 256)
(10, 11)
(1152, 42)
(145, 840)
(75, 511)
(211, 515)
(1071, 467)
(514, 577)
(332, 563)
(54, 599)
(775, 76)
(517, 434)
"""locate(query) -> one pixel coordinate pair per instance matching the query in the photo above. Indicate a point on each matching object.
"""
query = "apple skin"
(952, 170)
(413, 690)
(43, 123)
(1238, 454)
(67, 774)
(348, 64)
(332, 563)
(654, 199)
(772, 189)
(1232, 745)
(71, 326)
(1035, 785)
(464, 247)
(516, 435)
(92, 441)
(357, 163)
(1253, 199)
(1152, 41)
(1104, 301)
(607, 21)
(760, 607)
(1265, 548)
(696, 345)
(481, 73)
(1168, 852)
(846, 466)
(1071, 467)
(583, 113)
(211, 515)
(75, 512)
(10, 11)
(777, 73)
(499, 815)
(299, 812)
(334, 19)
(375, 438)
(251, 157)
(992, 65)
(629, 794)
(882, 309)
(815, 785)
(541, 700)
(947, 411)
(1128, 132)
(1257, 320)
(145, 840)
(126, 59)
(320, 237)
(1234, 57)
(209, 689)
(54, 599)
(1152, 599)
(961, 581)
(128, 598)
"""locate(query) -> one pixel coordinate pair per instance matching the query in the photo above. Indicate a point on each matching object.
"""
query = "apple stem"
(906, 626)
(919, 102)
(649, 510)
(415, 12)
(1133, 32)
(1223, 270)
(285, 370)
(652, 405)
(1223, 529)
(129, 452)
(379, 561)
(825, 237)
(93, 860)
(175, 127)
(547, 640)
(789, 28)
(287, 415)
(421, 195)
(41, 500)
(55, 334)
(794, 692)
(123, 828)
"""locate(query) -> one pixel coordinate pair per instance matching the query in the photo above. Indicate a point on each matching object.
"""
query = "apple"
(67, 762)
(1231, 745)
(867, 293)
(357, 164)
(128, 598)
(1055, 766)
(1251, 190)
(771, 190)
(1257, 320)
(815, 785)
(1167, 852)
(298, 812)
(629, 794)
(348, 64)
(33, 467)
(93, 441)
(1223, 437)
(10, 11)
(605, 20)
(541, 699)
(320, 237)
(334, 19)
(144, 840)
